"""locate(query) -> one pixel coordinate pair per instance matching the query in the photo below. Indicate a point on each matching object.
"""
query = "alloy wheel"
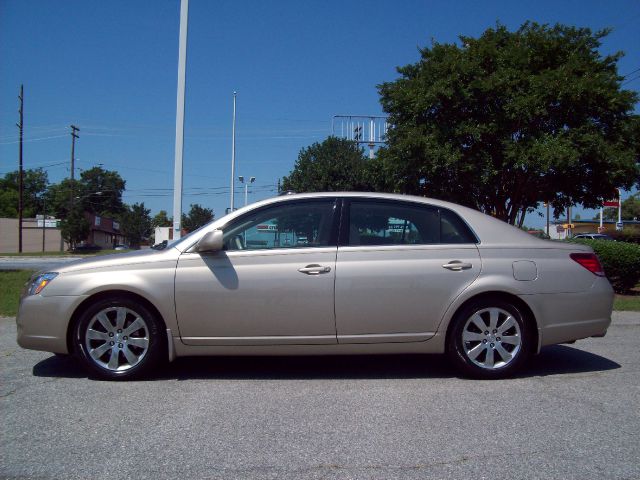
(117, 338)
(491, 338)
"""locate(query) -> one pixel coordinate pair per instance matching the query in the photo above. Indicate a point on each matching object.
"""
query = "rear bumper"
(564, 317)
(43, 321)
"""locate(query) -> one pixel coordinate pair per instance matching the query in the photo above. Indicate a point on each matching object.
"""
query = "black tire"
(119, 338)
(496, 351)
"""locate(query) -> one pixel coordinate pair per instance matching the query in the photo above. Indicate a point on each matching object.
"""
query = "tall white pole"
(600, 218)
(619, 205)
(233, 152)
(182, 68)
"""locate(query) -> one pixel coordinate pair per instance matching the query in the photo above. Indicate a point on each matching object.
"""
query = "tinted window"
(289, 225)
(453, 229)
(396, 223)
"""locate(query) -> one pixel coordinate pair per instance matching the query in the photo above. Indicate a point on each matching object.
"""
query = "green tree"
(34, 183)
(97, 190)
(334, 165)
(161, 219)
(630, 209)
(59, 197)
(74, 227)
(102, 191)
(197, 217)
(508, 120)
(135, 223)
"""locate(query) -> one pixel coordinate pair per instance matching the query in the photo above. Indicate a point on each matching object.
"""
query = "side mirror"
(211, 242)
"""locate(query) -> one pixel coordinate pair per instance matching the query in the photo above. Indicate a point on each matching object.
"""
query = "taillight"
(590, 262)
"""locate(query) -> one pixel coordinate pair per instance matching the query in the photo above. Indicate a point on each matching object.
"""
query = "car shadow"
(554, 360)
(59, 366)
(563, 360)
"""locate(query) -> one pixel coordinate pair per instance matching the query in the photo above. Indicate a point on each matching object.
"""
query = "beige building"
(32, 236)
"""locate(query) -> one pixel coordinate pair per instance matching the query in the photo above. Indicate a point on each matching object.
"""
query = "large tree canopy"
(334, 165)
(34, 184)
(102, 191)
(508, 120)
(98, 191)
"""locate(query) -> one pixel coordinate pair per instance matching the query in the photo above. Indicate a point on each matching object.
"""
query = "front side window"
(289, 225)
(397, 223)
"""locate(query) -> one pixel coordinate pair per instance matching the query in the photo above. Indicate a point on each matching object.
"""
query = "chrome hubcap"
(491, 338)
(117, 338)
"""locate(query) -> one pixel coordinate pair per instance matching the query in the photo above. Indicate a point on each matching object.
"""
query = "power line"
(632, 71)
(630, 80)
(34, 139)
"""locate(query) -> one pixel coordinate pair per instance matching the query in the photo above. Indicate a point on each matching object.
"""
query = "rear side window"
(453, 229)
(398, 223)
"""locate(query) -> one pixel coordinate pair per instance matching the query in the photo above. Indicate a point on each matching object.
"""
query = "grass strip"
(11, 283)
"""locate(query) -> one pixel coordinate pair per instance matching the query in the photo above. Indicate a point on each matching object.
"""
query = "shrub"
(631, 233)
(621, 262)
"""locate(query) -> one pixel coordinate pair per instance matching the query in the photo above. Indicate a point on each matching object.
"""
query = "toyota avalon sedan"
(323, 274)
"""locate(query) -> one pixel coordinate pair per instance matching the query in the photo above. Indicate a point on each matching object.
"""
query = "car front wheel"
(489, 339)
(119, 338)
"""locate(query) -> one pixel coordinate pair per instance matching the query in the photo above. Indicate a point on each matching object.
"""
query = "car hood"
(119, 259)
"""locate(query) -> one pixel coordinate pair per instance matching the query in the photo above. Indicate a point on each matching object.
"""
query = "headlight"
(37, 284)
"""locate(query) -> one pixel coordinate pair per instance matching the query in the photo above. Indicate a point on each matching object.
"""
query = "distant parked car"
(122, 247)
(593, 236)
(87, 248)
(320, 274)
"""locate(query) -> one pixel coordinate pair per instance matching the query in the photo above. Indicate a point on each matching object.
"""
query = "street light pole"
(44, 217)
(233, 152)
(182, 68)
(246, 188)
(20, 171)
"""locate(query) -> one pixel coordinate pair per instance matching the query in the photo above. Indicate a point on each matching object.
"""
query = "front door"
(273, 284)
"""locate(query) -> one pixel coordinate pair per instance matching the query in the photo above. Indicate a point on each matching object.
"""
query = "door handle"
(457, 265)
(314, 269)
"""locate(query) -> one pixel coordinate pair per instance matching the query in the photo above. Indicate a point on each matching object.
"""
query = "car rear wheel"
(489, 339)
(119, 338)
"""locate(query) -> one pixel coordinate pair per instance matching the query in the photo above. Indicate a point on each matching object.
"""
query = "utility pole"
(20, 172)
(74, 135)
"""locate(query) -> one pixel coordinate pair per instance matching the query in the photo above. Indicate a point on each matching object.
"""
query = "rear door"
(399, 266)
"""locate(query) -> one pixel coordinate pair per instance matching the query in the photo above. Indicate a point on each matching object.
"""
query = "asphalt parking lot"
(574, 413)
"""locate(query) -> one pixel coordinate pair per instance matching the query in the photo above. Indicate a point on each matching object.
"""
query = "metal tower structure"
(368, 130)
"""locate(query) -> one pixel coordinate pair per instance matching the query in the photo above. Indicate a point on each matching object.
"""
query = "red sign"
(611, 203)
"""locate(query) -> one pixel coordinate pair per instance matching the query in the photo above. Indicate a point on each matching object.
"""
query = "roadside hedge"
(621, 262)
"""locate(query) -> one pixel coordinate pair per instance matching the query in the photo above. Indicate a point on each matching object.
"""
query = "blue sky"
(110, 67)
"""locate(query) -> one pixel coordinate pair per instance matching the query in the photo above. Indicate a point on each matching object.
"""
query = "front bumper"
(43, 322)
